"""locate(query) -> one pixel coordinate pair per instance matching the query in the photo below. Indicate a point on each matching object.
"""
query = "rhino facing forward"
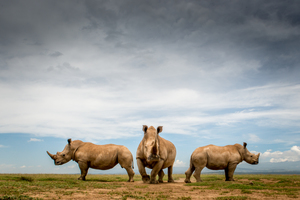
(156, 153)
(216, 158)
(89, 155)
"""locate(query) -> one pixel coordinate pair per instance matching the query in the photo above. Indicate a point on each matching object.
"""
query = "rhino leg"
(170, 172)
(84, 170)
(155, 171)
(130, 173)
(197, 173)
(188, 174)
(230, 171)
(142, 171)
(161, 176)
(127, 164)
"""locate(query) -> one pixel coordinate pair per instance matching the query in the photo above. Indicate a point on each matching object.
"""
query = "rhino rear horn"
(51, 155)
(245, 144)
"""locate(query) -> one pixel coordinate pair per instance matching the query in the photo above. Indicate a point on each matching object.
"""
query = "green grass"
(268, 185)
(29, 186)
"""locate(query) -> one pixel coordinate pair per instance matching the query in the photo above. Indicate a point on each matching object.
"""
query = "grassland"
(54, 186)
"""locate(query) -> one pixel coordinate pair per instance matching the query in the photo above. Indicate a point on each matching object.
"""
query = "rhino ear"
(145, 127)
(245, 144)
(159, 129)
(258, 155)
(69, 140)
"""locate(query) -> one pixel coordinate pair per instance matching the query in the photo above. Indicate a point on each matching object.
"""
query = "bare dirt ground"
(177, 190)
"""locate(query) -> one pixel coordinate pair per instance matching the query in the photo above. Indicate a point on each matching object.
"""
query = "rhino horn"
(51, 155)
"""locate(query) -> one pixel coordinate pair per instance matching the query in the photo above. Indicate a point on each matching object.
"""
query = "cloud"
(254, 138)
(56, 54)
(35, 140)
(179, 163)
(96, 74)
(291, 155)
(23, 166)
(2, 146)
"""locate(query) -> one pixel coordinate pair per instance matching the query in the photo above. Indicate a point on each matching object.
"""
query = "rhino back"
(167, 151)
(216, 157)
(98, 156)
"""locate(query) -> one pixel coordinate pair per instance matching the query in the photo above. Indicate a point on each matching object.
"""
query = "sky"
(209, 72)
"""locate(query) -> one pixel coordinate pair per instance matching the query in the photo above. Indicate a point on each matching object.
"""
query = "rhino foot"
(81, 178)
(171, 181)
(154, 182)
(146, 179)
(187, 181)
(161, 181)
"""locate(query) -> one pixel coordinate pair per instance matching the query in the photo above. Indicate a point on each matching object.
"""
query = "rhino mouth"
(57, 163)
(255, 163)
(153, 158)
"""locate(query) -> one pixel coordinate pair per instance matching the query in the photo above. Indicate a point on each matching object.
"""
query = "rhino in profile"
(89, 155)
(216, 158)
(156, 153)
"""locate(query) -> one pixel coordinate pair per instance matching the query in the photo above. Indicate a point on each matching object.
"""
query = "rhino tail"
(132, 164)
(192, 167)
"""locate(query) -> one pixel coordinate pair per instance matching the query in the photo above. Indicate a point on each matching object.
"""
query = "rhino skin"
(89, 155)
(217, 158)
(156, 153)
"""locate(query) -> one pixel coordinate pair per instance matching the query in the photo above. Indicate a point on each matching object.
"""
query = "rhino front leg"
(155, 171)
(170, 172)
(161, 176)
(84, 170)
(188, 174)
(142, 171)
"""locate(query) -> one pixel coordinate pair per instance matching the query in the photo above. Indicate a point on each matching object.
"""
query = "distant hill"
(243, 168)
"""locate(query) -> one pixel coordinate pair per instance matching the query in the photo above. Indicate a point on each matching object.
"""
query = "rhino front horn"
(51, 155)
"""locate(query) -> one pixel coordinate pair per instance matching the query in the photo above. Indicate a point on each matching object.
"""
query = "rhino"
(89, 155)
(216, 158)
(156, 153)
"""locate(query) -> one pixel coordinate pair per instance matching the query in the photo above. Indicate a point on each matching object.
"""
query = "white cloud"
(72, 166)
(253, 138)
(179, 163)
(278, 156)
(35, 140)
(2, 146)
(23, 166)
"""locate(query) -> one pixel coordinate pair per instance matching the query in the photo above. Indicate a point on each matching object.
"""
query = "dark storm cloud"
(266, 31)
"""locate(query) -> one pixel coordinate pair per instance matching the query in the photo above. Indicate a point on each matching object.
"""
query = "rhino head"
(64, 156)
(250, 158)
(151, 143)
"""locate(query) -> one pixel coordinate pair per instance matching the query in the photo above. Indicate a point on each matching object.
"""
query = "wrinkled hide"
(218, 158)
(156, 153)
(89, 155)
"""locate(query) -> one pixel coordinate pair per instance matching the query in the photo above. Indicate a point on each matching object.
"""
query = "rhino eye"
(64, 155)
(251, 156)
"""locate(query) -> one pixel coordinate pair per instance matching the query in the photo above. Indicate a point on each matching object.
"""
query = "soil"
(139, 190)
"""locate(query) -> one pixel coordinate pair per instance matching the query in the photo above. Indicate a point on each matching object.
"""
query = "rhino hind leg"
(170, 172)
(84, 170)
(229, 171)
(197, 173)
(130, 173)
(161, 176)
